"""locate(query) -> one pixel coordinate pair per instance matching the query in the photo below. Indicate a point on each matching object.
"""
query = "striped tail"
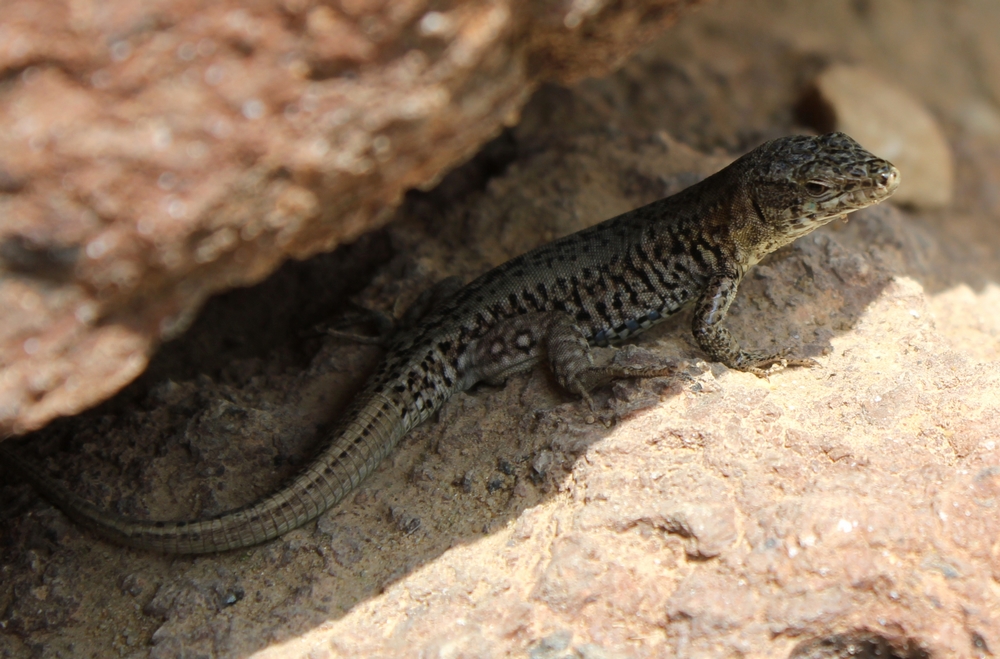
(376, 424)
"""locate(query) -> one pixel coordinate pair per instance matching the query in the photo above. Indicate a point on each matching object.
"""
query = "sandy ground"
(721, 516)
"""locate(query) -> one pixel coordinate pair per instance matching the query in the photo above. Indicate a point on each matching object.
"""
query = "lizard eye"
(815, 188)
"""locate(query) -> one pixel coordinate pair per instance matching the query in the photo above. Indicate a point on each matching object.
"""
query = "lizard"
(596, 287)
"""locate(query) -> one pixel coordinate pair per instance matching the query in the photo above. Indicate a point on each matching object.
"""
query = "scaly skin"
(599, 286)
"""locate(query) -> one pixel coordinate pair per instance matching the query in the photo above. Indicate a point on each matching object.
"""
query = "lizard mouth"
(878, 187)
(856, 193)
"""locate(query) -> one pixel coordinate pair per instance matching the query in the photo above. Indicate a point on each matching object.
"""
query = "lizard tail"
(373, 430)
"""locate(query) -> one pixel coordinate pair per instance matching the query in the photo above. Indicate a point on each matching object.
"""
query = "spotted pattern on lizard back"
(596, 287)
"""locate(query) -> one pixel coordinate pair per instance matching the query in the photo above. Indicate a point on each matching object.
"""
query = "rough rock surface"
(844, 511)
(155, 153)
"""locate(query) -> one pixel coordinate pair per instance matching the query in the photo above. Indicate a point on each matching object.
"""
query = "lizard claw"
(768, 368)
(765, 366)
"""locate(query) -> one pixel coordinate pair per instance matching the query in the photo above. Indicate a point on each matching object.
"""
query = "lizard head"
(796, 184)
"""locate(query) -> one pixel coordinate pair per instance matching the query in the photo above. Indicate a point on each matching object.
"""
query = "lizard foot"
(383, 323)
(764, 367)
(356, 338)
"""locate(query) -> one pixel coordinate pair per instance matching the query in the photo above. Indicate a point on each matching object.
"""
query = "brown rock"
(152, 157)
(890, 122)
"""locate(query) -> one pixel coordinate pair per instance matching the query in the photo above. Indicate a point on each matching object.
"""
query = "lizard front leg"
(719, 344)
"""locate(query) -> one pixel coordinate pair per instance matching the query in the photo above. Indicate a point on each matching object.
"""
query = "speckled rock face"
(156, 153)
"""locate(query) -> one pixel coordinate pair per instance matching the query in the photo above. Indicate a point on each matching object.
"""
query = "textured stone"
(155, 154)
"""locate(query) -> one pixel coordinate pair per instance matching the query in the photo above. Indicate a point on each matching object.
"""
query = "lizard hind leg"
(572, 361)
(430, 300)
(516, 344)
(383, 323)
(386, 325)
